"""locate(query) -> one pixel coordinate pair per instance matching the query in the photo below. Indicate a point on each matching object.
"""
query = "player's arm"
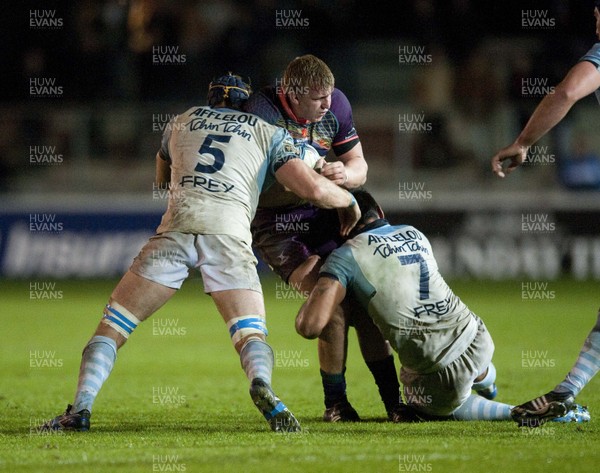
(319, 308)
(163, 159)
(350, 170)
(296, 176)
(580, 81)
(163, 172)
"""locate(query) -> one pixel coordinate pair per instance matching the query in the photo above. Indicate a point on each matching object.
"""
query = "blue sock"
(334, 387)
(586, 366)
(479, 408)
(97, 361)
(257, 360)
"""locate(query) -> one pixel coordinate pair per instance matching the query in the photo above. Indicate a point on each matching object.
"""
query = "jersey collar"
(380, 222)
(288, 109)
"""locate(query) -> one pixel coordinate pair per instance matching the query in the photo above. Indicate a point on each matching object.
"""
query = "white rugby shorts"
(442, 392)
(225, 261)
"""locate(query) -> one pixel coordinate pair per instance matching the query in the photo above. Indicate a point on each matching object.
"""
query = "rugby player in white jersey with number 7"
(444, 348)
(216, 160)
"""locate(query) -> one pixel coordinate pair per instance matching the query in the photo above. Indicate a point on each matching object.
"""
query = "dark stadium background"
(86, 153)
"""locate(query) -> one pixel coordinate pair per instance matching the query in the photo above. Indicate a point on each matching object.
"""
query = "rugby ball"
(309, 155)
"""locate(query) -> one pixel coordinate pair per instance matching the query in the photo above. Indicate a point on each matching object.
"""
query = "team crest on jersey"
(290, 148)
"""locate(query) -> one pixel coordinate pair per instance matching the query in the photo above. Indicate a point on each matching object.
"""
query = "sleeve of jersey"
(163, 152)
(346, 137)
(593, 56)
(282, 149)
(340, 265)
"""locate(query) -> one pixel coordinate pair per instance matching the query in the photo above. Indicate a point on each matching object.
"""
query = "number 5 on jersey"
(216, 153)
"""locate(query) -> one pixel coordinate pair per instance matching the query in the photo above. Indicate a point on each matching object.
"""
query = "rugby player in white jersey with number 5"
(217, 160)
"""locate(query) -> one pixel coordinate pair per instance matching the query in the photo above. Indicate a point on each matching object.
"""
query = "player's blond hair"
(308, 71)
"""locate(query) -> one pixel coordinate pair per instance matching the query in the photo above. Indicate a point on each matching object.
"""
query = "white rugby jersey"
(392, 272)
(220, 161)
(593, 56)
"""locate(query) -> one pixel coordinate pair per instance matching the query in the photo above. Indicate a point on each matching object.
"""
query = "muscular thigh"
(285, 238)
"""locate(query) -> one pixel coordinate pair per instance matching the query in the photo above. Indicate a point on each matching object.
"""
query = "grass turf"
(178, 400)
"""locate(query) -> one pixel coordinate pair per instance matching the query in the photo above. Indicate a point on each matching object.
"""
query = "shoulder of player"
(264, 104)
(339, 99)
(593, 55)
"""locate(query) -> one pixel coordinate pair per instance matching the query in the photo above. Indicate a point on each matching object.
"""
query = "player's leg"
(132, 301)
(584, 369)
(485, 384)
(378, 355)
(332, 347)
(152, 279)
(229, 274)
(243, 312)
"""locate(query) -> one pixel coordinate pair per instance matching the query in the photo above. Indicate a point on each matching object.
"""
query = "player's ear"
(292, 97)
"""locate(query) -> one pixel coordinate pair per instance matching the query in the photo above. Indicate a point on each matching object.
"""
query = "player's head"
(369, 208)
(228, 91)
(308, 83)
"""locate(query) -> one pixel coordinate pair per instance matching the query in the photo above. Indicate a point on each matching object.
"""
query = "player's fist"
(349, 217)
(335, 171)
(515, 154)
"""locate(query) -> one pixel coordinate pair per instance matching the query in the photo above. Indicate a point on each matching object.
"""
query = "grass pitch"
(178, 400)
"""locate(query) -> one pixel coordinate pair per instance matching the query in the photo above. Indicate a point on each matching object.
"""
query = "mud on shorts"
(284, 237)
(225, 261)
(442, 392)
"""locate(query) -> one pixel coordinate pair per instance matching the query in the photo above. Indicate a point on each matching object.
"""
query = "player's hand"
(335, 171)
(514, 153)
(349, 216)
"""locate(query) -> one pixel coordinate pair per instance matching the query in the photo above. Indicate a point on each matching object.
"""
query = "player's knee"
(119, 319)
(305, 276)
(245, 328)
(306, 329)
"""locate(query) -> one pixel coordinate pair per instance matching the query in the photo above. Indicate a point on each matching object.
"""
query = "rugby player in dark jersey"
(294, 237)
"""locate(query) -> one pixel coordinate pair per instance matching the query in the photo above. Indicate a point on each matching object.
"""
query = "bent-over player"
(216, 159)
(445, 349)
